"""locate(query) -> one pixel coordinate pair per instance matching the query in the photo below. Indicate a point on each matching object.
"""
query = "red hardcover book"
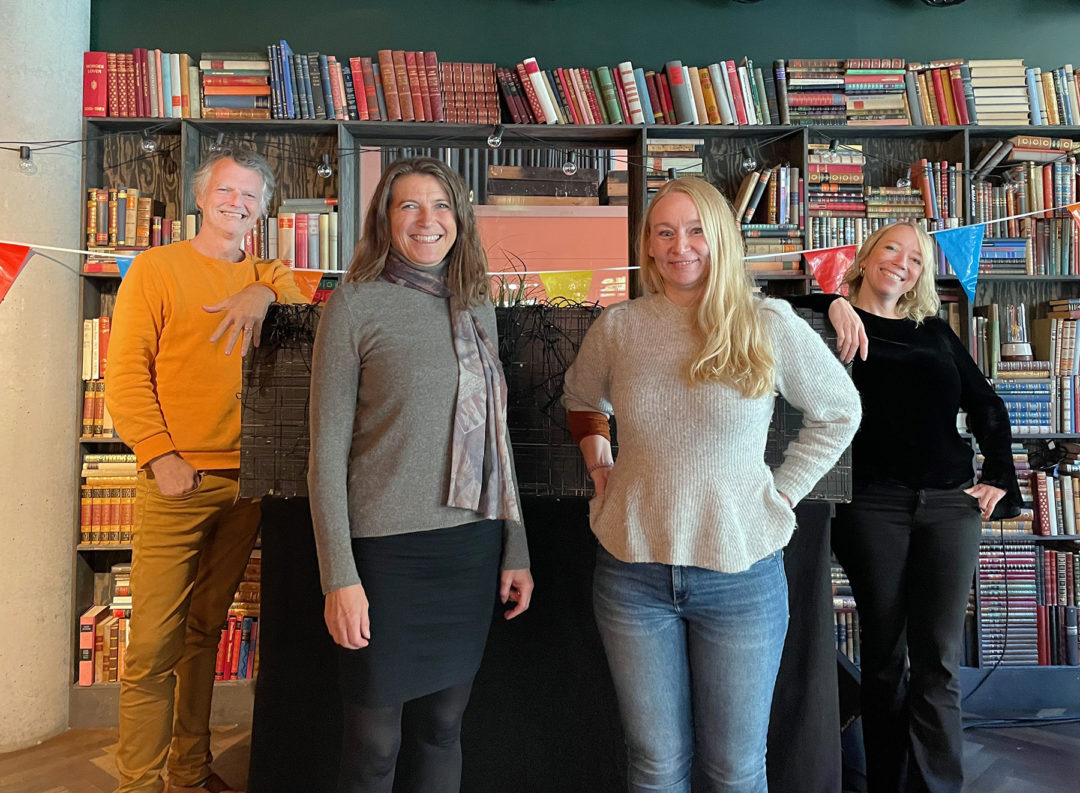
(87, 627)
(234, 648)
(112, 81)
(568, 92)
(400, 73)
(584, 108)
(425, 90)
(95, 84)
(356, 70)
(958, 95)
(939, 96)
(431, 62)
(140, 110)
(337, 88)
(389, 81)
(736, 91)
(301, 229)
(412, 75)
(529, 90)
(665, 97)
(226, 666)
(1042, 503)
(590, 91)
(371, 95)
(509, 92)
(656, 106)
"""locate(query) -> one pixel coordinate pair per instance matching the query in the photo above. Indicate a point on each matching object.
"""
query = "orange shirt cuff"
(584, 423)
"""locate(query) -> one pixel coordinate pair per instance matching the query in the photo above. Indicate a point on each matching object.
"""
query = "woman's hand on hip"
(515, 586)
(347, 619)
(988, 497)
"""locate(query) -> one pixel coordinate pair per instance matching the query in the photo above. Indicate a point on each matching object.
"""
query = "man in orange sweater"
(173, 388)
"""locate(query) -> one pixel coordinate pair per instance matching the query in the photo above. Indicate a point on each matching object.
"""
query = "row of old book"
(104, 630)
(107, 499)
(414, 86)
(1027, 605)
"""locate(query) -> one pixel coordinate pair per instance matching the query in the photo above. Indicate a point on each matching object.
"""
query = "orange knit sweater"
(167, 387)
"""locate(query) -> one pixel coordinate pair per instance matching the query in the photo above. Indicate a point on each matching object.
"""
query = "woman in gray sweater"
(412, 488)
(689, 591)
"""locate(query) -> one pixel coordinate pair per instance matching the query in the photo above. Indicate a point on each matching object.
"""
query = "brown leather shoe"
(213, 784)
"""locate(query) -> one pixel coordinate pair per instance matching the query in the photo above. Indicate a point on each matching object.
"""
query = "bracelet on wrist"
(598, 466)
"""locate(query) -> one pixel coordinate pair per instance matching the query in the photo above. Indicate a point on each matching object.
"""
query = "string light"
(26, 161)
(570, 166)
(494, 140)
(324, 170)
(218, 144)
(749, 163)
(148, 144)
(905, 180)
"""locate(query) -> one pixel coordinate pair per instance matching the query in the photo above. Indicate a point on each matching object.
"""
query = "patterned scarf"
(481, 472)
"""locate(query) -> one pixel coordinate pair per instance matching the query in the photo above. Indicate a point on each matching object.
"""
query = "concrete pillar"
(41, 46)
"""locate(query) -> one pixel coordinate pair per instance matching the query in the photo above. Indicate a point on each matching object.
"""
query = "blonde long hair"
(466, 272)
(921, 301)
(736, 350)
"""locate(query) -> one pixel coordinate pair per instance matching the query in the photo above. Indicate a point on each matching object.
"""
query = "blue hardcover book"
(328, 91)
(303, 84)
(277, 107)
(166, 86)
(1034, 98)
(380, 97)
(237, 102)
(314, 85)
(1063, 79)
(287, 82)
(643, 96)
(245, 648)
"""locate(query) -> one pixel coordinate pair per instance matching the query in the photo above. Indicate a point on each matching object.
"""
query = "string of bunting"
(961, 247)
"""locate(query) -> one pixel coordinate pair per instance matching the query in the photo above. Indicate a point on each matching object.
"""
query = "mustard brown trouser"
(189, 555)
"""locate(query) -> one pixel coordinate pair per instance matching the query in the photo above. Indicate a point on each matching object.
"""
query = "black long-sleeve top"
(912, 384)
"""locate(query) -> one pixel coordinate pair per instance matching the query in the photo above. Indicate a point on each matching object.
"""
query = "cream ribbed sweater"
(690, 485)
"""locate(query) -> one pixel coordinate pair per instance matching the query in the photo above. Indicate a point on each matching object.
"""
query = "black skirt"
(431, 597)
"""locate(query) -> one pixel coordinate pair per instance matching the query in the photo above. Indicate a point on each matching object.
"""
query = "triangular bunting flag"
(307, 281)
(962, 247)
(123, 263)
(1074, 210)
(12, 259)
(829, 266)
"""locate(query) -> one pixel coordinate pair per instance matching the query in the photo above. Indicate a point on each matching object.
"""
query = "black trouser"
(910, 555)
(431, 731)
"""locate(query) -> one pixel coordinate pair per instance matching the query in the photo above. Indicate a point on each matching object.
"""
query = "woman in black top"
(909, 539)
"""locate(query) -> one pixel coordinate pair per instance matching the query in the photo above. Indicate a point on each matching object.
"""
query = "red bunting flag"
(12, 259)
(829, 266)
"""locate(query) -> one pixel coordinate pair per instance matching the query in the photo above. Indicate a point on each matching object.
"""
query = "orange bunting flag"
(1074, 210)
(307, 282)
(12, 259)
(829, 266)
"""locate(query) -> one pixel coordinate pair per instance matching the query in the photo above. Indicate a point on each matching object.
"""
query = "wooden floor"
(1044, 759)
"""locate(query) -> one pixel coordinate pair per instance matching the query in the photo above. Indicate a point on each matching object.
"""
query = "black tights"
(429, 727)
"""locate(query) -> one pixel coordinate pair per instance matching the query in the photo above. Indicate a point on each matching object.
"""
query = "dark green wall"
(592, 32)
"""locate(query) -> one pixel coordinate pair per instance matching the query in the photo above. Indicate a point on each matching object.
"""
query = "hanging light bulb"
(672, 174)
(905, 180)
(749, 163)
(148, 144)
(570, 166)
(494, 140)
(324, 170)
(26, 162)
(218, 144)
(834, 150)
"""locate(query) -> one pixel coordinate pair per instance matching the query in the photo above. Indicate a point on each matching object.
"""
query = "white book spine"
(633, 100)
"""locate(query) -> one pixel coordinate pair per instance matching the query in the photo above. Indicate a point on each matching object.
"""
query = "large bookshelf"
(294, 148)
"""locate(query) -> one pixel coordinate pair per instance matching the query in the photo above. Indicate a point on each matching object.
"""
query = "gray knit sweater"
(690, 486)
(383, 391)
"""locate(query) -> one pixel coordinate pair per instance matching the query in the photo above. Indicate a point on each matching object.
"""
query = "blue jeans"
(693, 655)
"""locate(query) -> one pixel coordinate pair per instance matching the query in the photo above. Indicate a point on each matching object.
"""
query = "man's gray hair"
(245, 159)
